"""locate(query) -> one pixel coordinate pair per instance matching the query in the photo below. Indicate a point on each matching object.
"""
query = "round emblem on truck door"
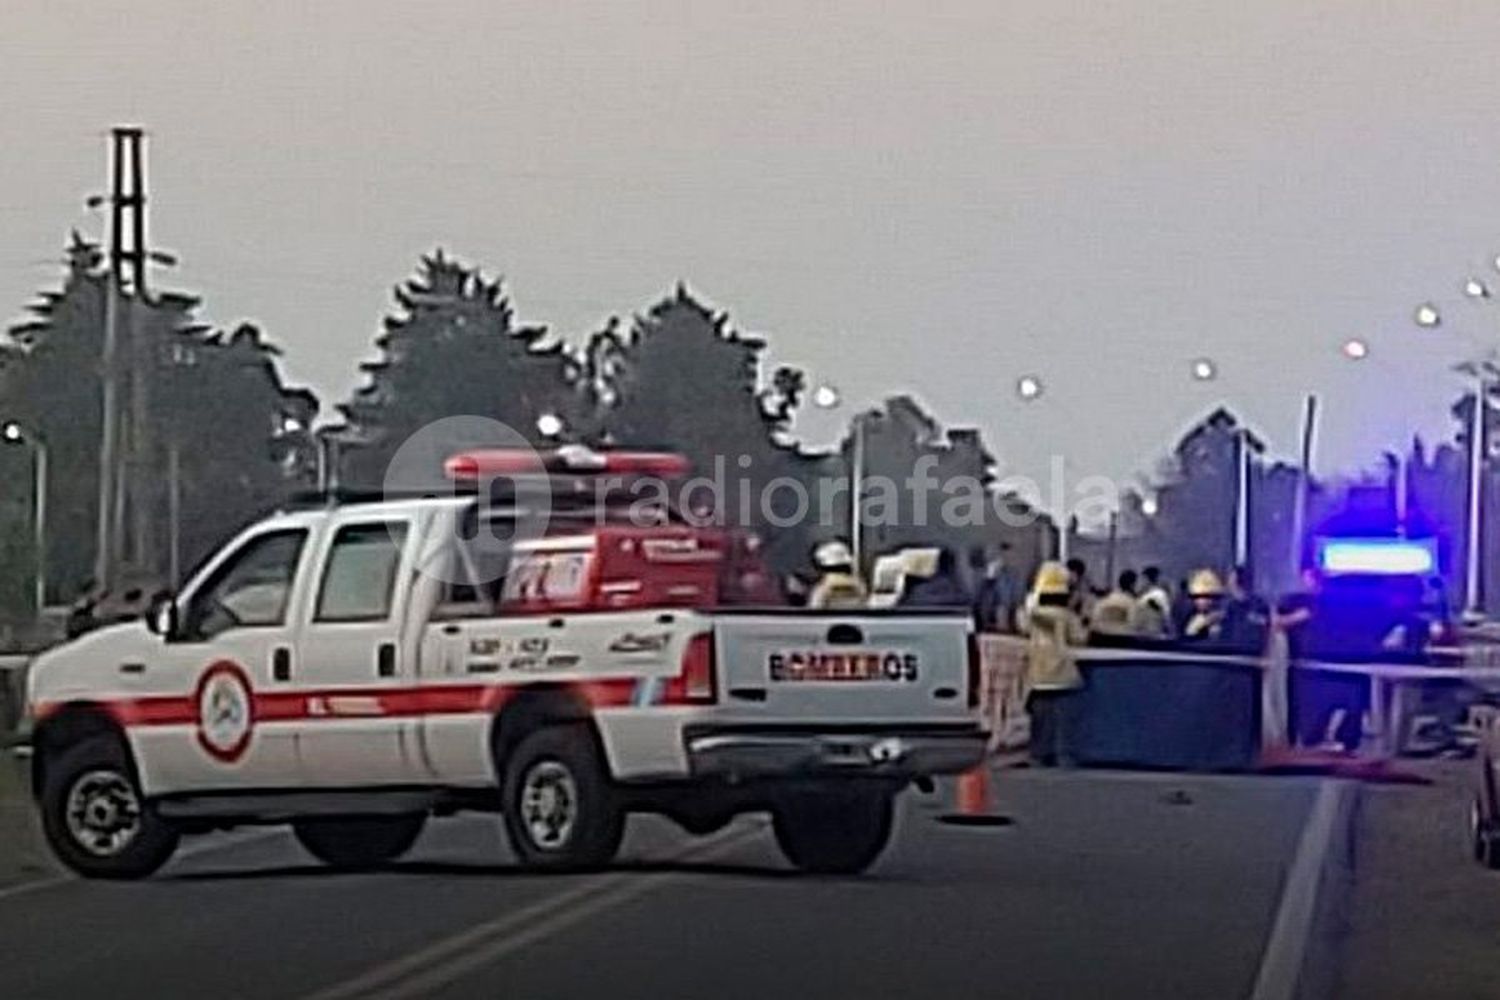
(226, 711)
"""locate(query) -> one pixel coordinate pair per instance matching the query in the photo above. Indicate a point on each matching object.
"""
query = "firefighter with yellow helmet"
(1210, 607)
(1052, 630)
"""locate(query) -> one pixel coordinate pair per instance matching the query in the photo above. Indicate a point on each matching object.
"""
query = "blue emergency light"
(1377, 556)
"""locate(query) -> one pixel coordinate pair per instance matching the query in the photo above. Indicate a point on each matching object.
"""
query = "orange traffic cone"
(973, 792)
(974, 802)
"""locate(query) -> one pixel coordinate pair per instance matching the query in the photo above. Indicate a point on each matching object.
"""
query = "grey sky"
(931, 197)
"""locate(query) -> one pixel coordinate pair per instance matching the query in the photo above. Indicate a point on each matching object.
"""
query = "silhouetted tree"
(684, 380)
(219, 405)
(453, 349)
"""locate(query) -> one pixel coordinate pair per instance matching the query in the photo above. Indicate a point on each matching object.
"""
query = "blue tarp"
(1177, 714)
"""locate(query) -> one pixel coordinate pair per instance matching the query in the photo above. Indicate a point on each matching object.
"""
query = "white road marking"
(1286, 945)
(422, 972)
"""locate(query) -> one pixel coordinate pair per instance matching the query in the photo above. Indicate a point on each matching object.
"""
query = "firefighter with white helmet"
(838, 586)
(1052, 676)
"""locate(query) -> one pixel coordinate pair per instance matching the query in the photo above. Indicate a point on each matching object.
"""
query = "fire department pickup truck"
(351, 669)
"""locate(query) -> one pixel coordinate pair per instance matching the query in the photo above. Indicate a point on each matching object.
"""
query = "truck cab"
(357, 668)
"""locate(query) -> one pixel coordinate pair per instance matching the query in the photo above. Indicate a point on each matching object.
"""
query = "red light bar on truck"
(573, 460)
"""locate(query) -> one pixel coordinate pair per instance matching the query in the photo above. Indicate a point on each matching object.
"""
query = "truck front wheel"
(96, 820)
(560, 809)
(833, 833)
(354, 843)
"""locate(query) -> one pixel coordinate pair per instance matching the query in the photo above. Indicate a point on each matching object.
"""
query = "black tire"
(560, 808)
(95, 818)
(359, 842)
(834, 833)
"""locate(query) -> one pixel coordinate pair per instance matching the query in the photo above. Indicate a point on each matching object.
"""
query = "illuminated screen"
(1377, 556)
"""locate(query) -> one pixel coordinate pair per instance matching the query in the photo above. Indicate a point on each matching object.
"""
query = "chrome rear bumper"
(894, 754)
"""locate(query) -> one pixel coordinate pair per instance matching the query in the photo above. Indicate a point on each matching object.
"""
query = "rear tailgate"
(889, 667)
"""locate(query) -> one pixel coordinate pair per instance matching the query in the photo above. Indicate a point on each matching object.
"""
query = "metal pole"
(1299, 501)
(109, 435)
(1114, 538)
(1476, 474)
(39, 497)
(1402, 499)
(1242, 499)
(110, 408)
(121, 482)
(136, 496)
(856, 488)
(174, 512)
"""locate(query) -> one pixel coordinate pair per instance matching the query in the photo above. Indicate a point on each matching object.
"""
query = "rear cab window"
(360, 572)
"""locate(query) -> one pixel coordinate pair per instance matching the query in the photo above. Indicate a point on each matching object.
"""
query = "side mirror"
(161, 616)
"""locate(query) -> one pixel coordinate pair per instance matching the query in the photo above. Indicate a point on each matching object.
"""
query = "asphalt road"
(1423, 914)
(1105, 885)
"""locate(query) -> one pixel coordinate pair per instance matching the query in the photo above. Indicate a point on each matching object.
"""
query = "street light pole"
(856, 489)
(1242, 499)
(39, 467)
(1476, 487)
(13, 433)
(1480, 369)
(827, 397)
(1304, 481)
(174, 512)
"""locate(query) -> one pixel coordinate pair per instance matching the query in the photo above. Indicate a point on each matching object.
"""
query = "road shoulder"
(1423, 915)
(23, 854)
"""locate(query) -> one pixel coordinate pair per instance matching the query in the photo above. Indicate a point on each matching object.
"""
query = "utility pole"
(127, 198)
(136, 495)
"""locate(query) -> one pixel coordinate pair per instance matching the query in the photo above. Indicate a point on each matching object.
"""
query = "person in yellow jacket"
(838, 585)
(1052, 630)
(1210, 607)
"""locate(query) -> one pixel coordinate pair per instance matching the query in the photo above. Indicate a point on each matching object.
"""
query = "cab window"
(249, 589)
(474, 582)
(359, 577)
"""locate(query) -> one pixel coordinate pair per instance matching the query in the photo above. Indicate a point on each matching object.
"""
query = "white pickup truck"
(334, 667)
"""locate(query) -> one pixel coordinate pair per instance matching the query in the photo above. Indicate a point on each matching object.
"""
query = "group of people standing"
(839, 584)
(1205, 609)
(1324, 621)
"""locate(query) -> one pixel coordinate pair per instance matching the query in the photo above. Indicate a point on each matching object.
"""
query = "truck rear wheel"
(353, 843)
(96, 820)
(560, 809)
(833, 833)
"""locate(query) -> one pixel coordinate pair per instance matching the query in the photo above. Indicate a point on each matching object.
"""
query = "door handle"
(133, 667)
(385, 659)
(281, 664)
